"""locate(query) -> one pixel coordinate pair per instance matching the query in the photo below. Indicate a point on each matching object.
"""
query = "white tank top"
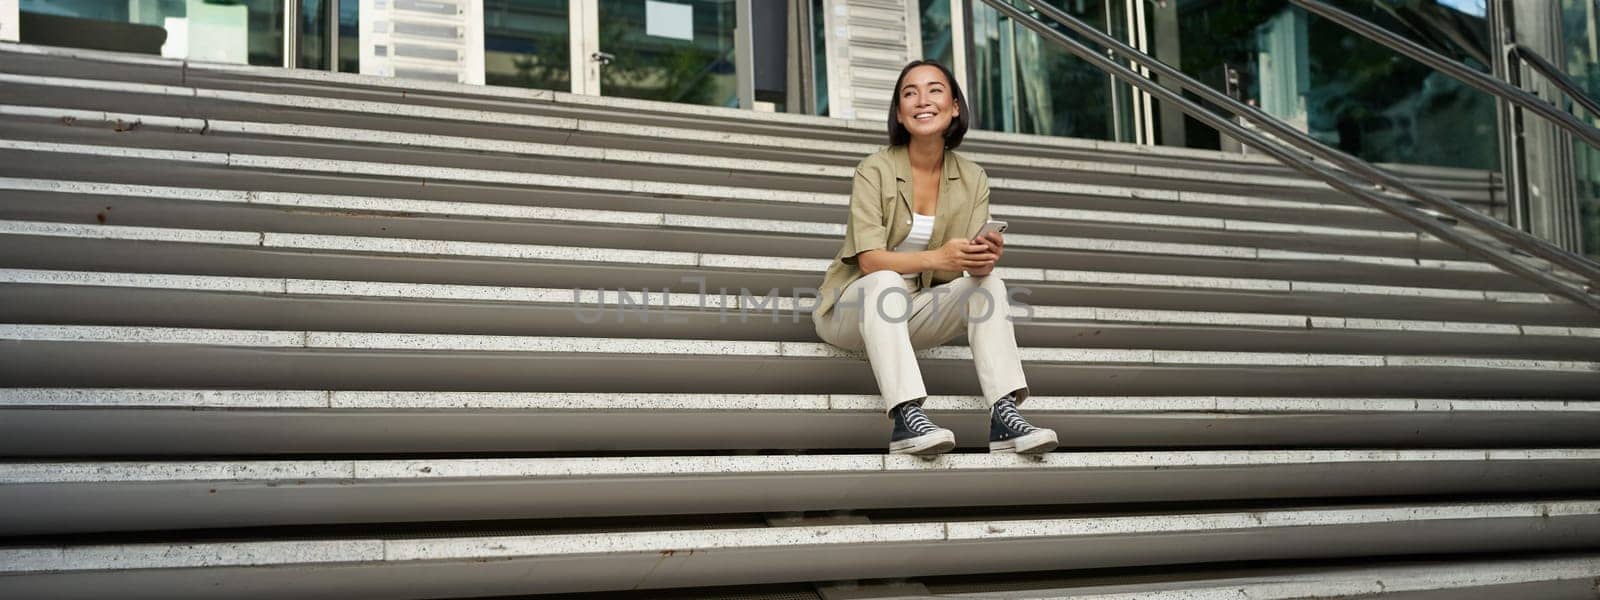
(917, 240)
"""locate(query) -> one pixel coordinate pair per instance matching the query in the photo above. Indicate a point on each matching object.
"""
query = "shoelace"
(1007, 411)
(916, 421)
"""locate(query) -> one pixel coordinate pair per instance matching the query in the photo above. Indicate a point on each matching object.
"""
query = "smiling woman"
(912, 270)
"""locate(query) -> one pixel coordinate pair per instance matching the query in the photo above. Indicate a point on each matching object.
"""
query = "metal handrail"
(1566, 84)
(1454, 68)
(1294, 160)
(1511, 236)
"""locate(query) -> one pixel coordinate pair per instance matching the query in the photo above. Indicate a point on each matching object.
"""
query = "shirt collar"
(902, 163)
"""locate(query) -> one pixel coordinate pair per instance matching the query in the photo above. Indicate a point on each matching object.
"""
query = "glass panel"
(350, 36)
(819, 55)
(526, 43)
(236, 31)
(313, 34)
(679, 51)
(1025, 84)
(1345, 90)
(936, 32)
(993, 94)
(1580, 32)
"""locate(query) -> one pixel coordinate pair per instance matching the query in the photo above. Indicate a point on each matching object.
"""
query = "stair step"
(812, 268)
(58, 498)
(59, 253)
(419, 567)
(160, 300)
(48, 355)
(199, 422)
(51, 197)
(1549, 576)
(678, 135)
(33, 138)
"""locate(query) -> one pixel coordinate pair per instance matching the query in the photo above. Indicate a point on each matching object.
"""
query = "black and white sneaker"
(915, 434)
(1009, 432)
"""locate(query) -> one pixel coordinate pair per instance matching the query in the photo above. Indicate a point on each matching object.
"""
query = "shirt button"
(908, 222)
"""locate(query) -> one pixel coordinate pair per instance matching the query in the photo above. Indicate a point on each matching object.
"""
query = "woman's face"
(926, 104)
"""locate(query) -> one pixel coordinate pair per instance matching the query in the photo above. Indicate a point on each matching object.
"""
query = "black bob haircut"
(898, 136)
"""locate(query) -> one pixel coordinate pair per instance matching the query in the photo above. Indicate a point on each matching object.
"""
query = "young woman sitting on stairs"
(912, 270)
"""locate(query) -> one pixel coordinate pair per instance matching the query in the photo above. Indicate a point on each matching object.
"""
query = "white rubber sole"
(937, 442)
(1038, 442)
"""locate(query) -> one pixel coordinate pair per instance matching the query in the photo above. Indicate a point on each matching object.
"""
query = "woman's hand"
(994, 244)
(963, 255)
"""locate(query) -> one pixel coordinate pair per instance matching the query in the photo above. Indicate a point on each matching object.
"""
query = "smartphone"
(988, 228)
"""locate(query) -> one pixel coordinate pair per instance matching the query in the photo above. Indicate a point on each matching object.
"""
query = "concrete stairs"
(270, 333)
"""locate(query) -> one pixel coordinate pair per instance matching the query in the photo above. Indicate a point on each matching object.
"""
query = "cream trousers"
(880, 313)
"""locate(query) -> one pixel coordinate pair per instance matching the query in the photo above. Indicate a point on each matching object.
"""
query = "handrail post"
(1516, 137)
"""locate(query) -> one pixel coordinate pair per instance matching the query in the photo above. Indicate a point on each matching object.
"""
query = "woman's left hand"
(996, 243)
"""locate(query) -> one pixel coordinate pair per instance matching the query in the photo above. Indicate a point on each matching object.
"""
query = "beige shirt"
(881, 215)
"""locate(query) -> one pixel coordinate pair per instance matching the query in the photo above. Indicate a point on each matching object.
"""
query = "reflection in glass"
(526, 43)
(235, 31)
(313, 34)
(936, 32)
(819, 56)
(350, 36)
(673, 59)
(1025, 84)
(1580, 33)
(1345, 90)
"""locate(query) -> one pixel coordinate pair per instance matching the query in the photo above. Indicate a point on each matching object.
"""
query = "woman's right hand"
(962, 254)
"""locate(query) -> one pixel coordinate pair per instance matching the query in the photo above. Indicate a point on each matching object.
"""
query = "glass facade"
(527, 43)
(655, 59)
(350, 36)
(234, 31)
(313, 30)
(317, 35)
(935, 24)
(1343, 89)
(1580, 29)
(1025, 84)
(819, 57)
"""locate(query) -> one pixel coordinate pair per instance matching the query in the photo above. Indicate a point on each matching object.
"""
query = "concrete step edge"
(1345, 582)
(570, 346)
(789, 197)
(315, 288)
(430, 469)
(290, 399)
(68, 559)
(816, 267)
(618, 128)
(695, 190)
(404, 206)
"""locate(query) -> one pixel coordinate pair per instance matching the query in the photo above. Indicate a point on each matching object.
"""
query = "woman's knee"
(987, 298)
